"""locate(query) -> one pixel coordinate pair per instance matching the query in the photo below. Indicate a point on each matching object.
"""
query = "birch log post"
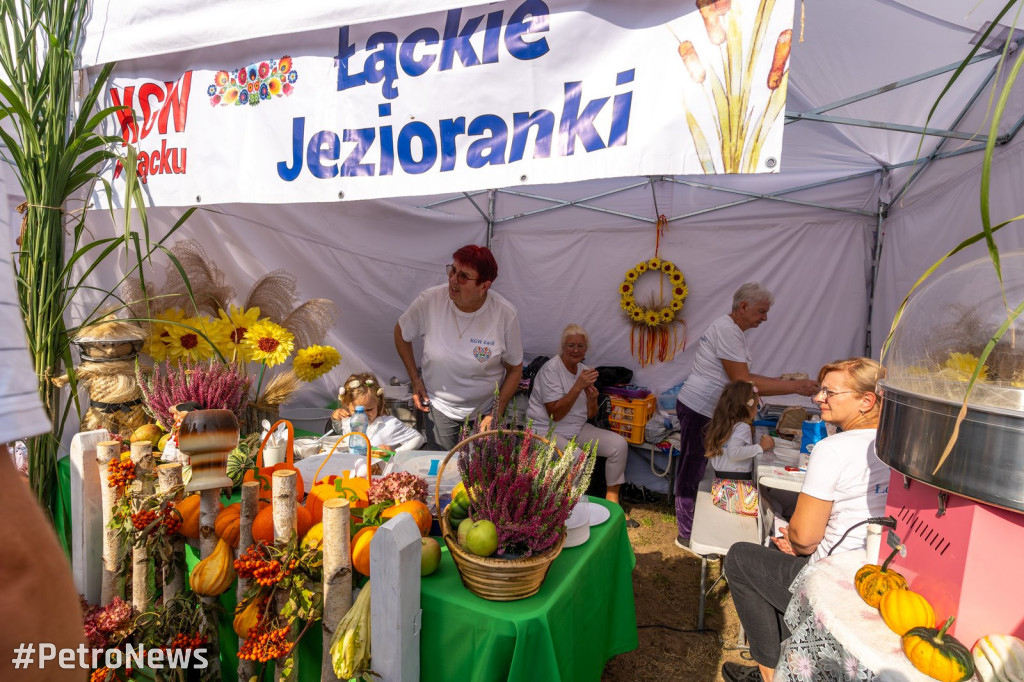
(337, 575)
(285, 527)
(113, 550)
(395, 556)
(249, 508)
(168, 477)
(209, 507)
(142, 587)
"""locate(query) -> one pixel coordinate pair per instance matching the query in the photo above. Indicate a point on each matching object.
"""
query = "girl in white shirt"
(384, 431)
(731, 450)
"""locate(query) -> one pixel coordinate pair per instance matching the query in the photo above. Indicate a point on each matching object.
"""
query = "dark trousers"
(442, 431)
(690, 468)
(759, 579)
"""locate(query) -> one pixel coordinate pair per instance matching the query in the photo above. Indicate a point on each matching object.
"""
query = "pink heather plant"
(520, 484)
(213, 385)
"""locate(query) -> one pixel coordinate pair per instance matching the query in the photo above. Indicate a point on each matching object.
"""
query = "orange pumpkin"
(189, 510)
(287, 465)
(420, 513)
(355, 490)
(228, 525)
(361, 549)
(263, 524)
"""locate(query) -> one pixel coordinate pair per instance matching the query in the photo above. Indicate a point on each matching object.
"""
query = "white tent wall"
(939, 213)
(563, 249)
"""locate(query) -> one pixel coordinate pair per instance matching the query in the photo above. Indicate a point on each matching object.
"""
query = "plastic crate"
(628, 417)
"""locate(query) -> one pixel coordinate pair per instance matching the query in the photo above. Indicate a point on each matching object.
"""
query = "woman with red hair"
(471, 343)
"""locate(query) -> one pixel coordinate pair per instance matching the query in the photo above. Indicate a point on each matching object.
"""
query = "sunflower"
(269, 342)
(184, 342)
(156, 345)
(654, 264)
(676, 277)
(652, 318)
(315, 361)
(231, 328)
(668, 267)
(641, 268)
(667, 315)
(636, 314)
(632, 275)
(626, 288)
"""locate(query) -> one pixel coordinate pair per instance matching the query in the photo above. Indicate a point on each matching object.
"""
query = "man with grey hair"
(722, 356)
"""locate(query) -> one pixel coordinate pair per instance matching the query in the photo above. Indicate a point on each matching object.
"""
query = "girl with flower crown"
(384, 431)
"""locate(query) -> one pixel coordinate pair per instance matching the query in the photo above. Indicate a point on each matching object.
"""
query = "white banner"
(497, 96)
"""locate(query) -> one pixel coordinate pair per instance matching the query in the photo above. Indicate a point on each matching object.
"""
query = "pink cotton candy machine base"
(966, 562)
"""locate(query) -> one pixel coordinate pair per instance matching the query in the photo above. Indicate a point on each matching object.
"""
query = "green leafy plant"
(1000, 99)
(56, 155)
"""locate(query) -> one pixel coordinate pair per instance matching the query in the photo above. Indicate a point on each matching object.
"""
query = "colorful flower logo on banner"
(251, 84)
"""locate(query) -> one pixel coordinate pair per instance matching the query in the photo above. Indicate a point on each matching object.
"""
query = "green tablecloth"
(583, 615)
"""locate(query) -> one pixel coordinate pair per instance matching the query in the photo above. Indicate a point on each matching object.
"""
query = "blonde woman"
(845, 485)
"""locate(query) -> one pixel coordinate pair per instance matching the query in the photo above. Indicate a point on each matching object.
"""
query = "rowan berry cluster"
(143, 518)
(120, 473)
(265, 572)
(109, 675)
(187, 641)
(172, 518)
(265, 645)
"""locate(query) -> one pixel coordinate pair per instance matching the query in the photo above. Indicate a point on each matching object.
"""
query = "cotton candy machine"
(959, 504)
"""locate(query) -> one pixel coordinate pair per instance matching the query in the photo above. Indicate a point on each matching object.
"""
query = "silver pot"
(986, 463)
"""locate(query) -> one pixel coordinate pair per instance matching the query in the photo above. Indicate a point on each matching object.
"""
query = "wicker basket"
(493, 578)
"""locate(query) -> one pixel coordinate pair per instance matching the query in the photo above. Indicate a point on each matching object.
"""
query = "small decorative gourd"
(905, 609)
(937, 654)
(872, 581)
(999, 658)
(213, 575)
(246, 619)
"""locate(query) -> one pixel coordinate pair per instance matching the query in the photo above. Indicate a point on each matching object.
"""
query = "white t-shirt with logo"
(464, 362)
(722, 340)
(845, 470)
(552, 382)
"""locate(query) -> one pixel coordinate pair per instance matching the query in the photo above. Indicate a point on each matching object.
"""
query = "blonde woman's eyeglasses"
(829, 394)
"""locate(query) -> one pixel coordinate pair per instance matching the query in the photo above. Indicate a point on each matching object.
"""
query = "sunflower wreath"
(653, 334)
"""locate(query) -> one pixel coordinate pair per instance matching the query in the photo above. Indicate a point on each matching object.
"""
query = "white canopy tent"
(837, 234)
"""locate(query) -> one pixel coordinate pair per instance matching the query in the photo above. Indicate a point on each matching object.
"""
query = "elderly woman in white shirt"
(564, 396)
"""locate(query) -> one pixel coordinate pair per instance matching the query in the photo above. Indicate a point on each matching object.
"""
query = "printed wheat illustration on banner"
(725, 64)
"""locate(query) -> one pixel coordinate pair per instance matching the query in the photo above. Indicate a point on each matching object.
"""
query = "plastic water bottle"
(358, 423)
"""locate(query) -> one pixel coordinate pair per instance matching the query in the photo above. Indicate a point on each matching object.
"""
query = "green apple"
(430, 558)
(482, 538)
(464, 527)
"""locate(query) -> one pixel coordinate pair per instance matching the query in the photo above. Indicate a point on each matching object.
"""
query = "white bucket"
(273, 454)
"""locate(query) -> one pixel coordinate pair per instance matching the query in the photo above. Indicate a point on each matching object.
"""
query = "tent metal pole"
(773, 197)
(896, 127)
(579, 203)
(867, 94)
(491, 195)
(876, 257)
(963, 113)
(455, 197)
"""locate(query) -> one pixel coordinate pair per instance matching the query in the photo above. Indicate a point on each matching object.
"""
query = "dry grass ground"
(666, 585)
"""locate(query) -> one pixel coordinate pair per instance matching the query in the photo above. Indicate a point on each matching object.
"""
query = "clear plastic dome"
(946, 327)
